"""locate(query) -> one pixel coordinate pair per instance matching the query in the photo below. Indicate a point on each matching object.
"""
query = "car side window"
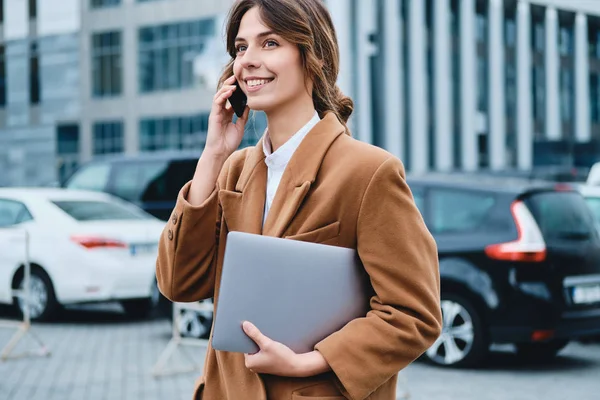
(13, 213)
(132, 179)
(459, 211)
(166, 186)
(92, 177)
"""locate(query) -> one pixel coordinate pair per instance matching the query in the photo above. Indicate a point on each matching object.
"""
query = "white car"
(83, 247)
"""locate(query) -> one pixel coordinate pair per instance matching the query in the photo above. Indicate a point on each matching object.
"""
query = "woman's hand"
(223, 136)
(275, 358)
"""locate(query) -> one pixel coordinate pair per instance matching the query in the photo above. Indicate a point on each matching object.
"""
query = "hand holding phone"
(223, 135)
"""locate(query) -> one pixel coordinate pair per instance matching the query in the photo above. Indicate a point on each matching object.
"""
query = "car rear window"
(594, 205)
(562, 215)
(87, 210)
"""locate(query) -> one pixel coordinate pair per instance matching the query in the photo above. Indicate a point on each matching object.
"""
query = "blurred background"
(493, 106)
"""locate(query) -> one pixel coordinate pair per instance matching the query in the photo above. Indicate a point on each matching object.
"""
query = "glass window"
(166, 185)
(92, 177)
(180, 132)
(108, 137)
(594, 97)
(33, 9)
(106, 64)
(67, 139)
(594, 205)
(13, 213)
(34, 75)
(131, 180)
(104, 3)
(561, 215)
(2, 75)
(94, 210)
(539, 37)
(510, 33)
(167, 53)
(459, 211)
(566, 95)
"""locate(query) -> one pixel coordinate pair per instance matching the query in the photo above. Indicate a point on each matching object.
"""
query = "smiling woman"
(306, 176)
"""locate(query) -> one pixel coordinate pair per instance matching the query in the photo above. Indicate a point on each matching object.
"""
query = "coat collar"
(243, 208)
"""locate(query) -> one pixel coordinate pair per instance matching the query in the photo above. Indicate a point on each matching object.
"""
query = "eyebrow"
(260, 35)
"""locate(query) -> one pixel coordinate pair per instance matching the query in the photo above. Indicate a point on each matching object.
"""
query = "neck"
(284, 122)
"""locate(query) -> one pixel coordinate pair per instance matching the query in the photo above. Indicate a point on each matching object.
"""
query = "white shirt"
(277, 161)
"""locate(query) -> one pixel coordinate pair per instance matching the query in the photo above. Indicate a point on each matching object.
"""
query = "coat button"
(170, 234)
(174, 219)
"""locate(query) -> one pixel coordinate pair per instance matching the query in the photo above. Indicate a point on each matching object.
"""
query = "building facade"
(443, 84)
(474, 84)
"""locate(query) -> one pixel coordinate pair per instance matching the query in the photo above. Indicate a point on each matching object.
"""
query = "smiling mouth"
(257, 83)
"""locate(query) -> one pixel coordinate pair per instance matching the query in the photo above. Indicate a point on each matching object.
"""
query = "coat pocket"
(199, 389)
(324, 234)
(318, 391)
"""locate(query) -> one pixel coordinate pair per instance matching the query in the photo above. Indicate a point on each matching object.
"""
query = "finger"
(220, 101)
(228, 105)
(230, 80)
(255, 334)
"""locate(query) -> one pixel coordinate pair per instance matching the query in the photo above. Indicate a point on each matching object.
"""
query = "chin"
(258, 105)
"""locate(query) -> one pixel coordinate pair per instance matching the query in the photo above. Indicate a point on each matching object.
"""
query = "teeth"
(257, 82)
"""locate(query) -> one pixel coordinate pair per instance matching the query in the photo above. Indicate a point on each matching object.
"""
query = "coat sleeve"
(400, 256)
(187, 248)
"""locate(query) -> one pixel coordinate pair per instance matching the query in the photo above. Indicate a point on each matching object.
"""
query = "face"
(268, 68)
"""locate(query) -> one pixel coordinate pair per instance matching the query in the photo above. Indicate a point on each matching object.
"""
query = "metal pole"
(27, 311)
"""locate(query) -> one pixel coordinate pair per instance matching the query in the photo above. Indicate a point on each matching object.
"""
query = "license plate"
(142, 248)
(586, 294)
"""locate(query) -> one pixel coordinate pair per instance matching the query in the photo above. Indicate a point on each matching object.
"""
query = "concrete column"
(393, 70)
(524, 93)
(341, 14)
(497, 84)
(419, 148)
(553, 120)
(468, 88)
(582, 80)
(444, 124)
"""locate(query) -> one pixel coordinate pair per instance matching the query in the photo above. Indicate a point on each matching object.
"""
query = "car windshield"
(96, 210)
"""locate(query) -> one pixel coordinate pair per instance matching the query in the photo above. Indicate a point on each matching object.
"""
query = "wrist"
(311, 364)
(213, 156)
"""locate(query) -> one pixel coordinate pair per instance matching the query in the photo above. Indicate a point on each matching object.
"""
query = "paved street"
(98, 354)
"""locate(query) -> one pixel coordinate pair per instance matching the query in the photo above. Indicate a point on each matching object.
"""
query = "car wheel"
(42, 300)
(540, 351)
(463, 341)
(195, 324)
(138, 308)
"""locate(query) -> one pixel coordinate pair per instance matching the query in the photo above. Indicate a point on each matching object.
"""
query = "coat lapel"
(243, 208)
(300, 174)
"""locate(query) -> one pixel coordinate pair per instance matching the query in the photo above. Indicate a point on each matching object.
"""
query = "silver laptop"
(295, 292)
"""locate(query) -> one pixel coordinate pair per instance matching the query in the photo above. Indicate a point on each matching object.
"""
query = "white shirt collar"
(282, 156)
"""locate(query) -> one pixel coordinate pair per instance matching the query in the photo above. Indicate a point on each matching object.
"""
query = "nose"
(251, 58)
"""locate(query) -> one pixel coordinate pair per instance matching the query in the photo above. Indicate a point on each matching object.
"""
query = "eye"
(240, 48)
(271, 43)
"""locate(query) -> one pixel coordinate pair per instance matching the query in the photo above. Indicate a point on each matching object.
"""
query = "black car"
(151, 181)
(519, 264)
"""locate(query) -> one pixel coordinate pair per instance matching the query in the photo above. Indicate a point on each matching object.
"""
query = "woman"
(306, 179)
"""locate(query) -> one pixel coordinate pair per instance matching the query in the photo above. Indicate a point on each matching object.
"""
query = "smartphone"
(238, 100)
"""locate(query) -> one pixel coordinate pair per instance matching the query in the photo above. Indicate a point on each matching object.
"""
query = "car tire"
(43, 303)
(539, 352)
(464, 341)
(138, 308)
(195, 324)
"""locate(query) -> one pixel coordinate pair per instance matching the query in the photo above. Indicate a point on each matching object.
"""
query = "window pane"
(99, 211)
(92, 177)
(458, 211)
(561, 215)
(106, 64)
(12, 213)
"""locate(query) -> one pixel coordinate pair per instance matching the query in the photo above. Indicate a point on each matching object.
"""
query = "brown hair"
(308, 25)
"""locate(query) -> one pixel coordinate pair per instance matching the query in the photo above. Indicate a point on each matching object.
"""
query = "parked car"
(519, 264)
(149, 180)
(83, 247)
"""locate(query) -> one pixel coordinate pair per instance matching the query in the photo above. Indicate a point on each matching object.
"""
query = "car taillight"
(94, 242)
(529, 246)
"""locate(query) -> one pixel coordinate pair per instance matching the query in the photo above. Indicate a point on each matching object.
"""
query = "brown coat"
(335, 190)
